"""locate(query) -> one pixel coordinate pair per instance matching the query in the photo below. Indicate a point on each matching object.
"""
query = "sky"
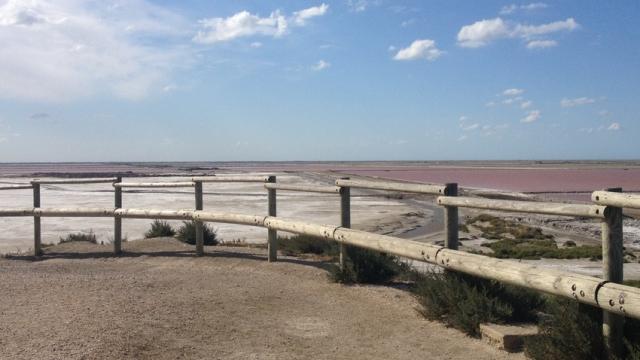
(261, 80)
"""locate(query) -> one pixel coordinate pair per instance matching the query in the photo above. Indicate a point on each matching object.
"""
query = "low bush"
(187, 233)
(568, 330)
(464, 302)
(493, 227)
(537, 249)
(367, 267)
(305, 244)
(75, 237)
(573, 331)
(159, 229)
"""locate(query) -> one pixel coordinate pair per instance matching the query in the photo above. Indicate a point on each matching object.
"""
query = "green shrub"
(464, 302)
(537, 249)
(187, 233)
(159, 229)
(305, 244)
(567, 331)
(75, 237)
(635, 283)
(367, 266)
(496, 228)
(572, 331)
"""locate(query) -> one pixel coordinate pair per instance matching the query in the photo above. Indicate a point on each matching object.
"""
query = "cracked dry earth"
(158, 301)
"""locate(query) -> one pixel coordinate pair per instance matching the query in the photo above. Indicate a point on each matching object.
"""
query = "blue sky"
(318, 80)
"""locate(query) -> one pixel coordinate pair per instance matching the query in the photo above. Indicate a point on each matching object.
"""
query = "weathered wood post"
(273, 234)
(451, 218)
(345, 218)
(117, 221)
(37, 234)
(198, 224)
(612, 262)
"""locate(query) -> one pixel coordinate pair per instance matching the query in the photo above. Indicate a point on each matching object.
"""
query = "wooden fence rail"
(16, 187)
(548, 208)
(616, 199)
(608, 293)
(154, 185)
(74, 181)
(616, 298)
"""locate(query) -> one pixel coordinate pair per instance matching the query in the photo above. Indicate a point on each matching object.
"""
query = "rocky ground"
(158, 301)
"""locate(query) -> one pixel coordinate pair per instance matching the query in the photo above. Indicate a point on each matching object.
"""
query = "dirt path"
(161, 302)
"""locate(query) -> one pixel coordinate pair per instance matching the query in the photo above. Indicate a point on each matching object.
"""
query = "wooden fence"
(617, 301)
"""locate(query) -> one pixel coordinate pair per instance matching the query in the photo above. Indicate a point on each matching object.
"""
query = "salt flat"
(368, 212)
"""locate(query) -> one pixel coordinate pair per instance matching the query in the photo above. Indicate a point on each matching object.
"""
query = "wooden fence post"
(273, 234)
(117, 221)
(37, 234)
(451, 218)
(198, 224)
(612, 262)
(345, 218)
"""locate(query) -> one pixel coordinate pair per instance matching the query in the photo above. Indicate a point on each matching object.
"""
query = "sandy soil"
(161, 302)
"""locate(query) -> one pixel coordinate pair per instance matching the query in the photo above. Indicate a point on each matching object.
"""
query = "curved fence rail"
(607, 293)
(616, 298)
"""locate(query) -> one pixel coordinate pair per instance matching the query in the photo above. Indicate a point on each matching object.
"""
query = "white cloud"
(532, 116)
(300, 17)
(463, 118)
(614, 126)
(64, 50)
(490, 104)
(534, 6)
(419, 49)
(576, 102)
(391, 48)
(463, 137)
(407, 22)
(482, 32)
(526, 104)
(241, 24)
(513, 92)
(528, 31)
(510, 9)
(357, 5)
(541, 44)
(256, 44)
(169, 88)
(485, 31)
(245, 24)
(320, 65)
(469, 127)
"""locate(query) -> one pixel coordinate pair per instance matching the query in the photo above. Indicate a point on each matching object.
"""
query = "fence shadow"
(212, 253)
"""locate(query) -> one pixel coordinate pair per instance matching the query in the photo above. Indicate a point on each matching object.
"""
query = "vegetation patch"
(569, 330)
(304, 244)
(187, 233)
(77, 237)
(537, 249)
(519, 241)
(493, 227)
(635, 283)
(464, 302)
(160, 229)
(367, 267)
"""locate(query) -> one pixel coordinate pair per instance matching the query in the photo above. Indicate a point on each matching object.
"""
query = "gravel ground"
(160, 302)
